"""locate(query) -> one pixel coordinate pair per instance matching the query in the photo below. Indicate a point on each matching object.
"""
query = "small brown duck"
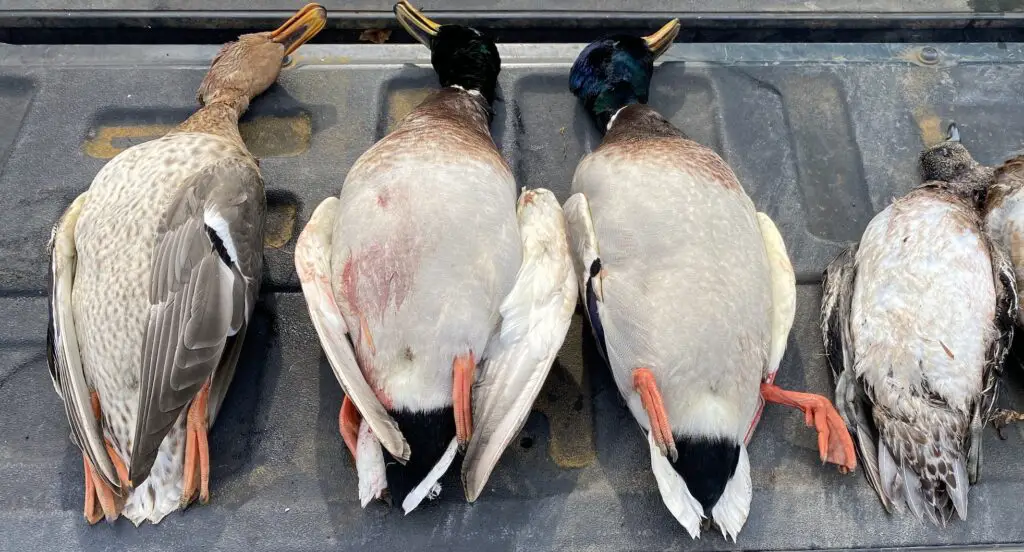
(155, 271)
(917, 319)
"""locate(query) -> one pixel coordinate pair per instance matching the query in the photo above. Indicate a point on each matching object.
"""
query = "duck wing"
(313, 263)
(204, 280)
(1006, 318)
(587, 261)
(851, 400)
(63, 355)
(534, 320)
(783, 293)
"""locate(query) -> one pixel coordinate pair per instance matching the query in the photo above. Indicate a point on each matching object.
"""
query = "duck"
(154, 273)
(917, 319)
(687, 288)
(440, 298)
(1004, 220)
(1004, 212)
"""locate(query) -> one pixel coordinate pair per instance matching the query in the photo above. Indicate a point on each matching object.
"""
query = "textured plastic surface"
(821, 136)
(712, 6)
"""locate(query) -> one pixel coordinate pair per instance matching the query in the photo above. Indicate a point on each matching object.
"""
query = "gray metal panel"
(821, 136)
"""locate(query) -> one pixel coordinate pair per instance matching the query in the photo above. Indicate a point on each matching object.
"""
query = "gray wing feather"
(63, 356)
(1006, 318)
(204, 283)
(852, 401)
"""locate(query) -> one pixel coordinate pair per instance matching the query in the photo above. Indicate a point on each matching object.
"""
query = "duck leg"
(463, 368)
(834, 442)
(645, 384)
(349, 420)
(197, 450)
(96, 490)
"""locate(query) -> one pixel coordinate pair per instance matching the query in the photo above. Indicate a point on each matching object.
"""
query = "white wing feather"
(535, 318)
(783, 293)
(312, 261)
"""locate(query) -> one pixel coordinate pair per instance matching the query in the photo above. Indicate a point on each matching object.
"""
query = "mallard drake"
(917, 319)
(424, 266)
(155, 270)
(689, 290)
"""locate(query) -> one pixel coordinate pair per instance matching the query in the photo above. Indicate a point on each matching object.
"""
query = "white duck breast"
(422, 261)
(691, 296)
(685, 284)
(910, 320)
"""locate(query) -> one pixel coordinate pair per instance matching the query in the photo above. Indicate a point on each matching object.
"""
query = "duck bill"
(415, 23)
(953, 133)
(659, 42)
(304, 25)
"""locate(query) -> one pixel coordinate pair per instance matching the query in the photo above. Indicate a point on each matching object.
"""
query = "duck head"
(951, 165)
(461, 56)
(614, 72)
(245, 68)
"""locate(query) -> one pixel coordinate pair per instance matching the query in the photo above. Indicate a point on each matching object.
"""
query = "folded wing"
(535, 318)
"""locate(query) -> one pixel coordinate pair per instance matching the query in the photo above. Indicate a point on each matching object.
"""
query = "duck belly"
(686, 292)
(924, 304)
(115, 239)
(423, 266)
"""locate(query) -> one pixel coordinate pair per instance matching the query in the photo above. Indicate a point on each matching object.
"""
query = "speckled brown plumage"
(156, 270)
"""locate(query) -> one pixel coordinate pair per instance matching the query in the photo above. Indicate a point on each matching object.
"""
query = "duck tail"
(730, 513)
(924, 464)
(674, 493)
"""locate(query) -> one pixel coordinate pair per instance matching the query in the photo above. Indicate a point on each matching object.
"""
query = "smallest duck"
(917, 319)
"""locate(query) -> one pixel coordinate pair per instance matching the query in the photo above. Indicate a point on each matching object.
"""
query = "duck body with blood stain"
(917, 319)
(454, 297)
(689, 290)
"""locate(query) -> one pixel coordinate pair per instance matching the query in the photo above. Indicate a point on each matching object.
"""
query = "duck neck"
(972, 184)
(609, 101)
(219, 115)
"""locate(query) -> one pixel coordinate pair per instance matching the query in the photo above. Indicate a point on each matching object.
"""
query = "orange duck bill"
(303, 26)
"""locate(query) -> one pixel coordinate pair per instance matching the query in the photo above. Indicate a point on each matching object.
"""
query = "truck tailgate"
(821, 135)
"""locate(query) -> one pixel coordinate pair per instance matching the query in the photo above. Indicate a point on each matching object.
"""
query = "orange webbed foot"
(645, 384)
(463, 370)
(197, 450)
(834, 442)
(349, 419)
(100, 499)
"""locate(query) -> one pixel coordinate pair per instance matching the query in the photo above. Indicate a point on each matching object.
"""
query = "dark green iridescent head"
(460, 55)
(614, 72)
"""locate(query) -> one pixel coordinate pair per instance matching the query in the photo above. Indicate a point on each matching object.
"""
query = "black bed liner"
(821, 135)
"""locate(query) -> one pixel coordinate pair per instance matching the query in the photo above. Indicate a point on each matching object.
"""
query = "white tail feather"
(677, 498)
(730, 513)
(370, 466)
(429, 487)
